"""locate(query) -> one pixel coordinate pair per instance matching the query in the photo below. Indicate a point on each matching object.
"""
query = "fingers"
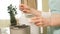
(21, 7)
(40, 24)
(26, 11)
(24, 8)
(37, 21)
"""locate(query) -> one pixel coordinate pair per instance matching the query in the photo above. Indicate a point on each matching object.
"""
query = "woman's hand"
(26, 9)
(40, 21)
(37, 20)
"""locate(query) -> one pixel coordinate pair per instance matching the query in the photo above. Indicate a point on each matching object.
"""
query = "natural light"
(3, 8)
(5, 3)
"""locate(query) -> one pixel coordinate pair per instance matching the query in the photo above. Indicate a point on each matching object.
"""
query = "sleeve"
(54, 6)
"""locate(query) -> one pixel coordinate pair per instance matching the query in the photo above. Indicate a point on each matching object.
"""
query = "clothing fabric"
(54, 6)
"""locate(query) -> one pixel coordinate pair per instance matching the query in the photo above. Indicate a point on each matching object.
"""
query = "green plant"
(12, 12)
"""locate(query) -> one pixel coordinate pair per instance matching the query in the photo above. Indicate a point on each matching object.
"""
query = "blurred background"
(41, 5)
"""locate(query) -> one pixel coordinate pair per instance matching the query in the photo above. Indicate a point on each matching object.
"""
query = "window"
(3, 8)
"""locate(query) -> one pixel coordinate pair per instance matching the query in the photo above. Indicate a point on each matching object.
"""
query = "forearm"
(35, 12)
(54, 20)
(51, 19)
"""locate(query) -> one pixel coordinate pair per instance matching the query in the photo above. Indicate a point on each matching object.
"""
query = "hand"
(40, 21)
(27, 9)
(24, 8)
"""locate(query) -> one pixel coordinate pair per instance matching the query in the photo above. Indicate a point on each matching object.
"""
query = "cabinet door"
(45, 6)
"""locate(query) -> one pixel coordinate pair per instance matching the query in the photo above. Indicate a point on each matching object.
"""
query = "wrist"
(47, 16)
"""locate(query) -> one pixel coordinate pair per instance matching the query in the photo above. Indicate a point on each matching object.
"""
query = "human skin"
(38, 20)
